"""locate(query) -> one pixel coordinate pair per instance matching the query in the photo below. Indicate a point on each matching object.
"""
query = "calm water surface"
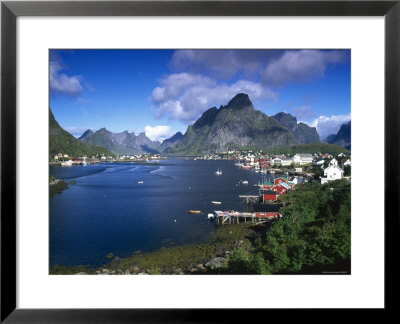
(107, 211)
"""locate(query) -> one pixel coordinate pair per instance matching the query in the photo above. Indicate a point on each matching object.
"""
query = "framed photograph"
(165, 155)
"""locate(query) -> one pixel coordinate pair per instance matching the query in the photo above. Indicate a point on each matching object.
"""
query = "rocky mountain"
(121, 143)
(343, 136)
(170, 142)
(303, 133)
(60, 141)
(236, 125)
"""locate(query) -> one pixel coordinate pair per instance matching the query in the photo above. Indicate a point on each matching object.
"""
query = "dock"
(233, 217)
(249, 197)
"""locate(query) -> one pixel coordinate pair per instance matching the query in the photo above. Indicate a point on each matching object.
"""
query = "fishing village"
(279, 175)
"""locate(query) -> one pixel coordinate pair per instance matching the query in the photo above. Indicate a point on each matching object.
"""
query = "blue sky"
(160, 92)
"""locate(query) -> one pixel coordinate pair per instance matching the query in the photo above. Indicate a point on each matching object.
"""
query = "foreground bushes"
(313, 235)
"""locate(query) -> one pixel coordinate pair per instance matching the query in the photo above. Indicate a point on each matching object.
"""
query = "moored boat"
(216, 202)
(194, 211)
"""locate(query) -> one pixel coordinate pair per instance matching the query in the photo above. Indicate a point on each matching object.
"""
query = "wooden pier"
(237, 217)
(249, 198)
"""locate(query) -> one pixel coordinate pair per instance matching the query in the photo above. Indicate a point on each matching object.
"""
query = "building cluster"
(270, 191)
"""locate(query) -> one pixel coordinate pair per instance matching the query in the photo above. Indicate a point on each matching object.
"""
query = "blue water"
(107, 211)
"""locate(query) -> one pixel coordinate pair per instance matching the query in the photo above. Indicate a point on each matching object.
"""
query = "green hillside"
(60, 141)
(309, 148)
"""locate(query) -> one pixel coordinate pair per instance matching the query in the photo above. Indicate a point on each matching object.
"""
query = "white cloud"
(300, 66)
(158, 133)
(60, 82)
(186, 96)
(329, 125)
(304, 113)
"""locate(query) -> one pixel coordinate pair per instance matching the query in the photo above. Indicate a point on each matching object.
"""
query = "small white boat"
(210, 216)
(140, 182)
(245, 182)
(219, 172)
(67, 163)
(216, 202)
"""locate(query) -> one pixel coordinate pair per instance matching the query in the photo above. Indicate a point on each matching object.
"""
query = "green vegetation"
(56, 186)
(308, 148)
(60, 141)
(185, 255)
(63, 270)
(313, 236)
(347, 171)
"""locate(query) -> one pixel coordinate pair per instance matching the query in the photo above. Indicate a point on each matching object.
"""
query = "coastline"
(56, 186)
(207, 257)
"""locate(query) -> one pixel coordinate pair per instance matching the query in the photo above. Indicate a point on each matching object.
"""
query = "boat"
(140, 182)
(67, 163)
(245, 182)
(219, 172)
(210, 216)
(194, 211)
(216, 202)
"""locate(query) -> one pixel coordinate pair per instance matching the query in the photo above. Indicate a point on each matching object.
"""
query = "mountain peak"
(86, 133)
(241, 100)
(286, 120)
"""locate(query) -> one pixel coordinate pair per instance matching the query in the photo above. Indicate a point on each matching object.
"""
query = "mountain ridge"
(303, 133)
(233, 126)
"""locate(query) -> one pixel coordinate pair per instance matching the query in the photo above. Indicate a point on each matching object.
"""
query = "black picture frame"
(10, 10)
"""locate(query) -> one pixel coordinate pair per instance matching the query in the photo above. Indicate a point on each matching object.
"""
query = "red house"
(267, 210)
(268, 185)
(269, 195)
(279, 189)
(280, 179)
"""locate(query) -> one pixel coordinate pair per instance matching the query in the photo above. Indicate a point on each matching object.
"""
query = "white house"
(276, 161)
(348, 162)
(333, 162)
(303, 158)
(318, 162)
(332, 172)
(286, 161)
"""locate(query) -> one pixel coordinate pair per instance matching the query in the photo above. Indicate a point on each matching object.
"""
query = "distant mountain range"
(60, 141)
(126, 143)
(121, 143)
(234, 126)
(343, 136)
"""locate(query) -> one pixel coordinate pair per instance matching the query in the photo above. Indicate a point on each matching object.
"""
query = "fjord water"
(108, 211)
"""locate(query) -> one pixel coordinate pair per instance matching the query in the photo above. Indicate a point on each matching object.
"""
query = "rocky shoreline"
(56, 185)
(210, 257)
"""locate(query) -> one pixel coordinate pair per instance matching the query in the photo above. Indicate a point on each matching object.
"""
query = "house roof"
(268, 192)
(304, 155)
(267, 183)
(333, 166)
(266, 208)
(284, 185)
